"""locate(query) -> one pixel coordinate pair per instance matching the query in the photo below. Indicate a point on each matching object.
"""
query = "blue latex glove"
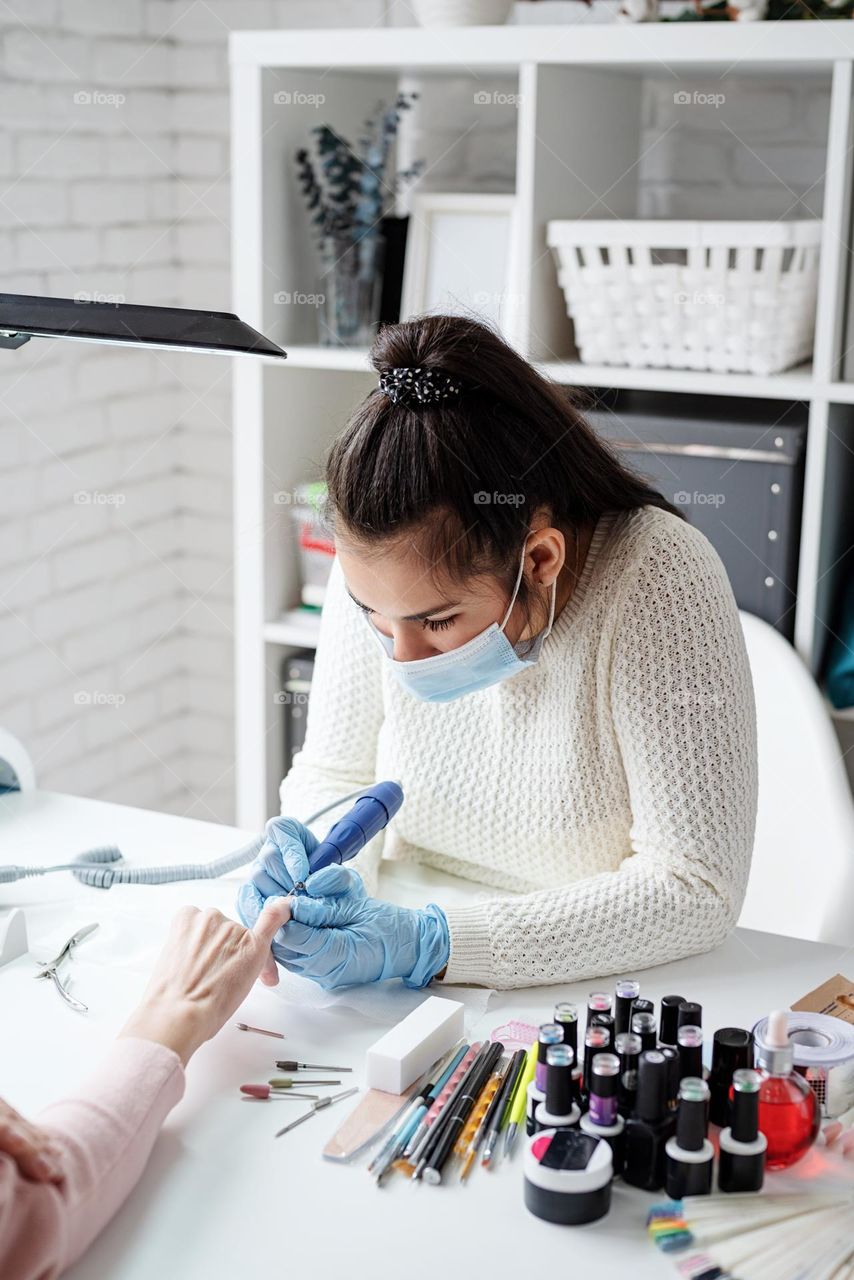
(282, 863)
(349, 938)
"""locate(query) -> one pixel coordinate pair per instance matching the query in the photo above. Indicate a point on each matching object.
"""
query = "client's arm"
(89, 1150)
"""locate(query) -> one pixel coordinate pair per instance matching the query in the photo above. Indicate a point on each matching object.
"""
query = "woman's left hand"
(203, 974)
(32, 1149)
(351, 939)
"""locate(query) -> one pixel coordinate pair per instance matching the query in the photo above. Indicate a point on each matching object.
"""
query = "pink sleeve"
(106, 1131)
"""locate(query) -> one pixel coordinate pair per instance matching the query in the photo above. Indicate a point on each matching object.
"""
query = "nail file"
(370, 1118)
(406, 1051)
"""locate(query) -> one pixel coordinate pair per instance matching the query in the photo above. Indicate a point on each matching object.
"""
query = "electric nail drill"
(369, 815)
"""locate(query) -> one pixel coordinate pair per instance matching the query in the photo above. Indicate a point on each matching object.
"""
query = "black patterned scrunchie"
(418, 386)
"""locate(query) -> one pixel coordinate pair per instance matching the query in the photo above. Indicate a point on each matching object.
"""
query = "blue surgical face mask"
(480, 662)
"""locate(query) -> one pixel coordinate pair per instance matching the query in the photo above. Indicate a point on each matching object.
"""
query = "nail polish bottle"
(550, 1034)
(741, 1163)
(689, 1152)
(648, 1130)
(626, 992)
(674, 1074)
(597, 1002)
(690, 1014)
(596, 1041)
(643, 1025)
(559, 1110)
(788, 1108)
(606, 1021)
(603, 1119)
(690, 1039)
(668, 1023)
(628, 1047)
(566, 1016)
(732, 1050)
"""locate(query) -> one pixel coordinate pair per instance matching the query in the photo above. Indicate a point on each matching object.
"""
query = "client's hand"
(204, 972)
(35, 1154)
(350, 938)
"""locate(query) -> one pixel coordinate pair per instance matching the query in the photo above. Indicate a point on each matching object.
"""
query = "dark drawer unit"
(297, 673)
(735, 470)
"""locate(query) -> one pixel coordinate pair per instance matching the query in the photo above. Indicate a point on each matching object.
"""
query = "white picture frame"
(459, 257)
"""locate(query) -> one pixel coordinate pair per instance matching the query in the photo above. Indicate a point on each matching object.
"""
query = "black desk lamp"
(126, 325)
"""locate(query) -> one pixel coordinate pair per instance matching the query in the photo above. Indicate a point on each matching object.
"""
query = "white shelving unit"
(577, 138)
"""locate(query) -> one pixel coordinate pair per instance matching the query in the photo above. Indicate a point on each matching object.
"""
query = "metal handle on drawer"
(707, 451)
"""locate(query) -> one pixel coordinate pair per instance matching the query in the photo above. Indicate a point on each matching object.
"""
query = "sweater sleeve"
(345, 713)
(681, 703)
(105, 1132)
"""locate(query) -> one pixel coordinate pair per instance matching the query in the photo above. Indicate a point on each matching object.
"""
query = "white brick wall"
(116, 604)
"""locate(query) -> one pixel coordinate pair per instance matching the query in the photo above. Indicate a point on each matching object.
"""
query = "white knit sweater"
(611, 787)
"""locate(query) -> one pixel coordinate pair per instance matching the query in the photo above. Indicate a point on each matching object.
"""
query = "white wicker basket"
(725, 296)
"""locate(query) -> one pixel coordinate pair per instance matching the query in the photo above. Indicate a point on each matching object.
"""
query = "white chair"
(802, 876)
(16, 767)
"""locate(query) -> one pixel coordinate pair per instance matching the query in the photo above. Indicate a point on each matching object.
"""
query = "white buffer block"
(404, 1053)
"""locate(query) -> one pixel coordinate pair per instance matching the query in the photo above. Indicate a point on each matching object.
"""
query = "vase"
(461, 13)
(351, 286)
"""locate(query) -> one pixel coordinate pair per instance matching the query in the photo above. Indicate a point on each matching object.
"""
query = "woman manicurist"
(550, 661)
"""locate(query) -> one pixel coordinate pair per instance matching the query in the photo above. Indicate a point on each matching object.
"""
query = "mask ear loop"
(553, 603)
(503, 622)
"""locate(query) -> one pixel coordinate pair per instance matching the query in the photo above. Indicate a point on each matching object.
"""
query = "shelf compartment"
(294, 629)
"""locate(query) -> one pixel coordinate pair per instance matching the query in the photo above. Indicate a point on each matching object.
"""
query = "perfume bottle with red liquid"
(788, 1109)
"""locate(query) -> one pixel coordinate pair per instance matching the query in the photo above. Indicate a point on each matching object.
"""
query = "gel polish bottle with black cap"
(689, 1152)
(690, 1014)
(732, 1050)
(648, 1130)
(629, 1048)
(559, 1110)
(741, 1164)
(603, 1119)
(668, 1023)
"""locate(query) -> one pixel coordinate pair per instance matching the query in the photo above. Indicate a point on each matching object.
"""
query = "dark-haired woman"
(551, 662)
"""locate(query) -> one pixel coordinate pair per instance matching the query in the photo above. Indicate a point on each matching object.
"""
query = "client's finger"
(269, 974)
(276, 912)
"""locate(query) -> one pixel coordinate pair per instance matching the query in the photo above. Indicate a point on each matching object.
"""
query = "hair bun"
(418, 385)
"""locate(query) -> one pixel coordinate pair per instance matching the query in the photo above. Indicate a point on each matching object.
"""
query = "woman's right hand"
(282, 863)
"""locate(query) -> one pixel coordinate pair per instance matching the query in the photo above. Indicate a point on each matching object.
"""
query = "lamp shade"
(125, 324)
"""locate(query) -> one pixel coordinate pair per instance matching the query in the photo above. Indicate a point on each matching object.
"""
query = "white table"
(220, 1196)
